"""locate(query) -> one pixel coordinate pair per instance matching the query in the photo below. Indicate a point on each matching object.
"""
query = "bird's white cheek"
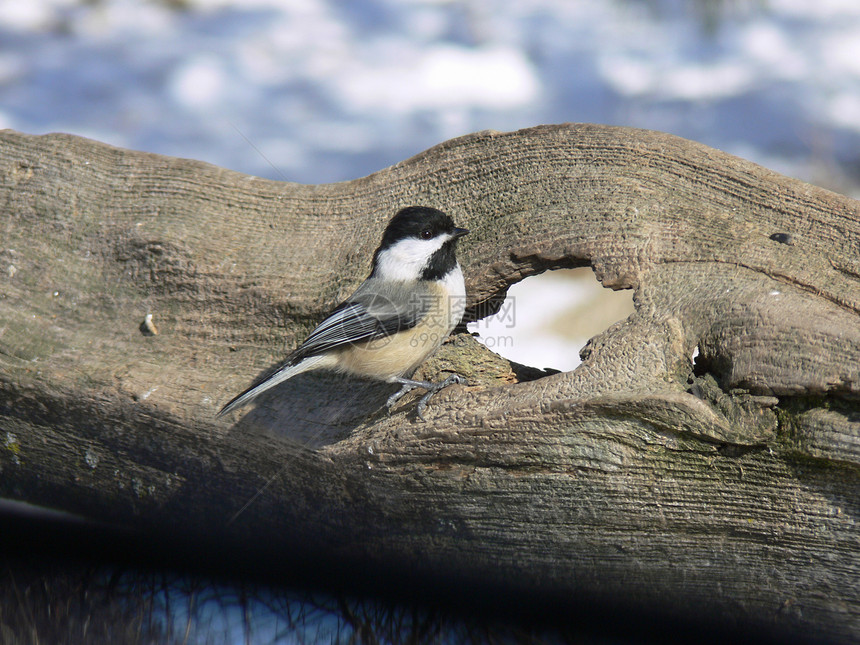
(407, 259)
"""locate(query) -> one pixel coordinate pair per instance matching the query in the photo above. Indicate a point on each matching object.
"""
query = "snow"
(332, 91)
(442, 76)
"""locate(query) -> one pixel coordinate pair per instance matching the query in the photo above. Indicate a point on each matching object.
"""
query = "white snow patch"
(628, 76)
(21, 15)
(442, 76)
(199, 82)
(768, 46)
(841, 53)
(844, 110)
(701, 82)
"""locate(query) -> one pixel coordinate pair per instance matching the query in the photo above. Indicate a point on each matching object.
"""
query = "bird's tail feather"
(286, 372)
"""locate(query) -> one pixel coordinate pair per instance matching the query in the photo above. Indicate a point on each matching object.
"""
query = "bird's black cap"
(423, 222)
(418, 221)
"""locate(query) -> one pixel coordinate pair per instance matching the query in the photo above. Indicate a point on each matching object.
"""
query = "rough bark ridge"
(706, 453)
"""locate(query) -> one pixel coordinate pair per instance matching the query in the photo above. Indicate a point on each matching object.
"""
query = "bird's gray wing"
(377, 309)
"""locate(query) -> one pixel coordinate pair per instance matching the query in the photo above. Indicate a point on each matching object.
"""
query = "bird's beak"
(460, 232)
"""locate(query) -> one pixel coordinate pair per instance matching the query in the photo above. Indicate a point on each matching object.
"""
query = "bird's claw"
(453, 379)
(432, 390)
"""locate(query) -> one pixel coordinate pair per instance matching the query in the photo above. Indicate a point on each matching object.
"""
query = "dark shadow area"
(315, 409)
(67, 581)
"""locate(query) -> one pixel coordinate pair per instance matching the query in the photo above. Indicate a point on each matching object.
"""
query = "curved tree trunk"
(705, 455)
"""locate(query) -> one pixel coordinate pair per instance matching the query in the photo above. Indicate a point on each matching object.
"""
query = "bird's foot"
(406, 389)
(432, 390)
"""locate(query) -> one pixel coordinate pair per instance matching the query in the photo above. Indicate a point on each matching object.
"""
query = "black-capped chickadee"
(412, 300)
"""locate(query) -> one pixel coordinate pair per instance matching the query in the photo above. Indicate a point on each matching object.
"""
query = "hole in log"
(546, 319)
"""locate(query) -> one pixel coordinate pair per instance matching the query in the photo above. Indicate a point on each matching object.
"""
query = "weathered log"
(705, 454)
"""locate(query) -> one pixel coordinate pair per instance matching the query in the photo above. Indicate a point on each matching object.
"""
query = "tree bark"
(706, 454)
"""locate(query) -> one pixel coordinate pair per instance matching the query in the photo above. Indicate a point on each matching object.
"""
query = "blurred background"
(331, 90)
(319, 91)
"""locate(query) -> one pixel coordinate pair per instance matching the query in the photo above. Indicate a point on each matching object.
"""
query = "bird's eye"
(426, 234)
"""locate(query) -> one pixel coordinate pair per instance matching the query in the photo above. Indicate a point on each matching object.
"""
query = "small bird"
(412, 300)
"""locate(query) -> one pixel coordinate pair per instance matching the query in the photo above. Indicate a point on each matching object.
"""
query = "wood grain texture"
(727, 482)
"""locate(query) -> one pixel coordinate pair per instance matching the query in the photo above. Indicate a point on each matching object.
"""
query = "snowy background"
(327, 90)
